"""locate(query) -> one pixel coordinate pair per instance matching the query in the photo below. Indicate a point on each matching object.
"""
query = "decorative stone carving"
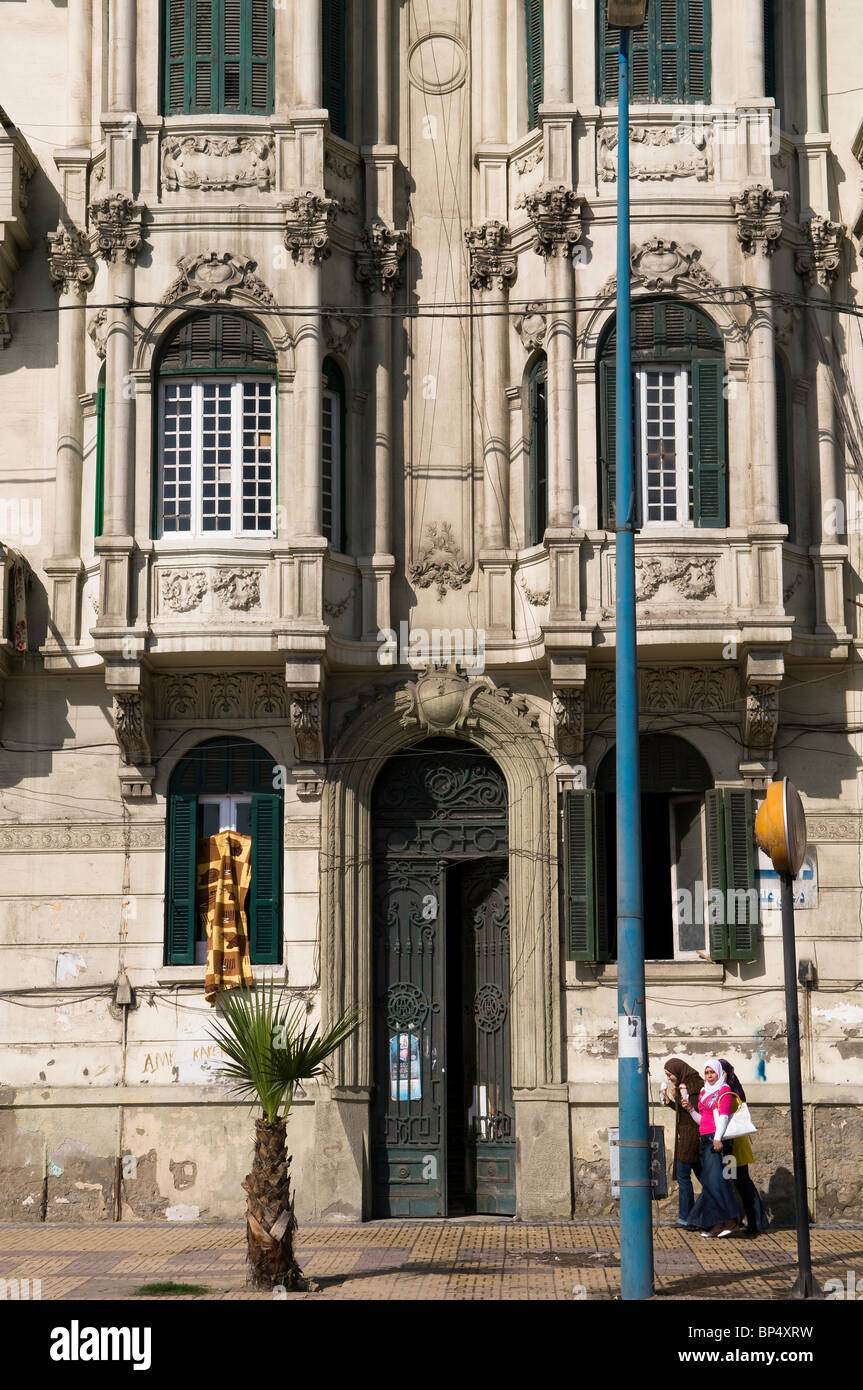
(819, 263)
(310, 784)
(238, 589)
(671, 689)
(567, 708)
(217, 162)
(441, 700)
(662, 265)
(440, 562)
(761, 717)
(342, 168)
(131, 725)
(308, 217)
(182, 590)
(830, 828)
(531, 326)
(117, 228)
(528, 162)
(302, 834)
(693, 579)
(306, 726)
(537, 598)
(759, 212)
(200, 697)
(689, 156)
(97, 329)
(215, 275)
(378, 259)
(70, 264)
(555, 212)
(339, 330)
(89, 835)
(336, 610)
(492, 263)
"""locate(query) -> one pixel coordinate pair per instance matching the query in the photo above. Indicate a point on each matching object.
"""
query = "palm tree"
(271, 1050)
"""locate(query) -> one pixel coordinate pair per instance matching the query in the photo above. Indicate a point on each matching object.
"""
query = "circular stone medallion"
(437, 63)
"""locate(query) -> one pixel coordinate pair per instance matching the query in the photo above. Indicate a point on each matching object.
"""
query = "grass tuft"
(168, 1289)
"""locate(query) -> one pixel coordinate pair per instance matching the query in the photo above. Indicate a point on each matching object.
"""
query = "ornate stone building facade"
(308, 508)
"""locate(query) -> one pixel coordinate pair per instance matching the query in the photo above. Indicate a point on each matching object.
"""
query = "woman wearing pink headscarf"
(716, 1209)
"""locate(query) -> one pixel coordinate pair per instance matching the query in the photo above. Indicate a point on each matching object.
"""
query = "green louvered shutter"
(783, 459)
(770, 48)
(535, 59)
(538, 453)
(608, 440)
(709, 462)
(714, 814)
(603, 920)
(742, 909)
(579, 857)
(176, 16)
(667, 51)
(608, 50)
(99, 520)
(260, 57)
(696, 74)
(335, 64)
(204, 93)
(265, 893)
(182, 844)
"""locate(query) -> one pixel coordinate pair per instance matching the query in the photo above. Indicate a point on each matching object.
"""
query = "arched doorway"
(443, 1130)
(674, 780)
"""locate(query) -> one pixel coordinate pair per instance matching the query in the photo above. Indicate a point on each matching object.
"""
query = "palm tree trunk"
(270, 1220)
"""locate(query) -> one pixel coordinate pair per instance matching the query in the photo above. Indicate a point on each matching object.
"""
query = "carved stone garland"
(440, 562)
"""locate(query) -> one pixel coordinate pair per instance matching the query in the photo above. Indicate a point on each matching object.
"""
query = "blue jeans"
(685, 1195)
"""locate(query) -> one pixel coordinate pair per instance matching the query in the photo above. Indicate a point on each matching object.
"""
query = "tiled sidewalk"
(472, 1259)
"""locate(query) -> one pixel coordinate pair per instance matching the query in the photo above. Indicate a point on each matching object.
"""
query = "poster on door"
(405, 1078)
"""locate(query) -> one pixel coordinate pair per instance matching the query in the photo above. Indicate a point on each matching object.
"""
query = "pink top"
(721, 1100)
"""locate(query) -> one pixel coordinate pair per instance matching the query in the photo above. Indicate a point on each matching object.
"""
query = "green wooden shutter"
(608, 440)
(538, 453)
(335, 64)
(579, 857)
(742, 900)
(668, 55)
(716, 874)
(535, 60)
(175, 21)
(709, 462)
(204, 65)
(770, 48)
(783, 452)
(695, 23)
(182, 847)
(603, 920)
(608, 64)
(99, 521)
(260, 59)
(265, 894)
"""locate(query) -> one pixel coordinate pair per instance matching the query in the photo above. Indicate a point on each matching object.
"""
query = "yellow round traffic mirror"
(780, 827)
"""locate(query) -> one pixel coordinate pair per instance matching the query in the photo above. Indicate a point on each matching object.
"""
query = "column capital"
(819, 262)
(759, 213)
(308, 217)
(379, 257)
(556, 214)
(117, 234)
(70, 263)
(491, 260)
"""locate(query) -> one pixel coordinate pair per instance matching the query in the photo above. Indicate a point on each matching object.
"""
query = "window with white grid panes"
(217, 465)
(331, 502)
(662, 406)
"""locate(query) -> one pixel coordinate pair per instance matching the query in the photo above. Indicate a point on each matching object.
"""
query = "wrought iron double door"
(443, 1124)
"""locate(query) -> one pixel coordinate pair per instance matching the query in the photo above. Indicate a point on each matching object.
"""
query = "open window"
(698, 861)
(223, 784)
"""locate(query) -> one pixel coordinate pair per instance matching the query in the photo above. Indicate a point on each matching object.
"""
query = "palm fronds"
(271, 1048)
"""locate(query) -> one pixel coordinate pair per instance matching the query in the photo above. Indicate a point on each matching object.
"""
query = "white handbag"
(740, 1123)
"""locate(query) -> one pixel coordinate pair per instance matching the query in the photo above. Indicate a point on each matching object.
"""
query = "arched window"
(535, 52)
(99, 522)
(217, 56)
(333, 455)
(216, 399)
(224, 784)
(538, 415)
(679, 417)
(335, 55)
(698, 860)
(670, 53)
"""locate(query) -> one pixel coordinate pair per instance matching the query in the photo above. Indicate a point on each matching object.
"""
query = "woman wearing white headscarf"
(716, 1209)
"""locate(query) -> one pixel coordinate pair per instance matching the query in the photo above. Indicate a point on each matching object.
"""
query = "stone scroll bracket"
(304, 682)
(131, 690)
(762, 678)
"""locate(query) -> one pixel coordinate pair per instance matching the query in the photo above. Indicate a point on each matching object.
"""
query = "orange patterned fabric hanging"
(224, 876)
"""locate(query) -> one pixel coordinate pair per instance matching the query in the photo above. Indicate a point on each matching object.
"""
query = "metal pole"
(636, 1243)
(805, 1286)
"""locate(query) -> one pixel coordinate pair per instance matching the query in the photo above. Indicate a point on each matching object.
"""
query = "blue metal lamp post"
(636, 1236)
